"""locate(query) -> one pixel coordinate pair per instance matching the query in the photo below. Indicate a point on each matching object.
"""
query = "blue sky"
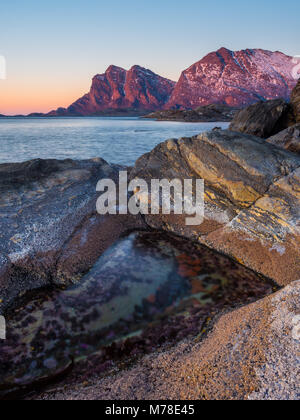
(56, 47)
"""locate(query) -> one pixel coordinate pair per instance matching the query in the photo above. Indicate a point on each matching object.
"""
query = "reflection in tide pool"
(145, 278)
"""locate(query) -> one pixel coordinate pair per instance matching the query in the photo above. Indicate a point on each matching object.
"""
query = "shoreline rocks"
(270, 118)
(262, 119)
(51, 235)
(209, 113)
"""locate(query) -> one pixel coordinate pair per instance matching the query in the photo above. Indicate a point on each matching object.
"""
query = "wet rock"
(252, 198)
(49, 229)
(251, 354)
(288, 139)
(119, 309)
(262, 119)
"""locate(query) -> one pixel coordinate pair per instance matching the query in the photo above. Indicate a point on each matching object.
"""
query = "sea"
(117, 140)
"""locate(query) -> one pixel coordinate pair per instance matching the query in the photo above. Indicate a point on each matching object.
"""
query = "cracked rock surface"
(252, 198)
(50, 232)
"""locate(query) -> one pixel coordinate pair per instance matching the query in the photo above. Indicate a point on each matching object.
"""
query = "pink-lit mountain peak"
(117, 89)
(235, 78)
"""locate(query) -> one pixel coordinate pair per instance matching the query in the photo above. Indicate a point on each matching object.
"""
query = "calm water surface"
(117, 140)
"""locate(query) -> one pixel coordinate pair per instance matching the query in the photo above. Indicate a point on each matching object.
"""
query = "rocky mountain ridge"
(223, 77)
(235, 78)
(135, 91)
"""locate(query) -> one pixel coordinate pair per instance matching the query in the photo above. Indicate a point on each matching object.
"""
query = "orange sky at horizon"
(19, 96)
(27, 94)
(53, 49)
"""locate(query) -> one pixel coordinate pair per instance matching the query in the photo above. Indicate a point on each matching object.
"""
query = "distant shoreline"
(213, 113)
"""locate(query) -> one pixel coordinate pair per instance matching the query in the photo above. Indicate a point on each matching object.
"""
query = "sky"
(53, 49)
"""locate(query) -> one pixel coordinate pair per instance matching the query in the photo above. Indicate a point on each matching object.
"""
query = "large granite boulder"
(252, 198)
(262, 119)
(50, 232)
(288, 139)
(266, 119)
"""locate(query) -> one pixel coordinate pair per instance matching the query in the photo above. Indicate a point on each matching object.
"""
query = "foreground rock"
(209, 113)
(288, 139)
(252, 198)
(251, 354)
(50, 231)
(262, 119)
(52, 236)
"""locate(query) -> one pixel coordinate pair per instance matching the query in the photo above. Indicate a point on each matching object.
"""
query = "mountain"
(234, 78)
(224, 77)
(117, 90)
